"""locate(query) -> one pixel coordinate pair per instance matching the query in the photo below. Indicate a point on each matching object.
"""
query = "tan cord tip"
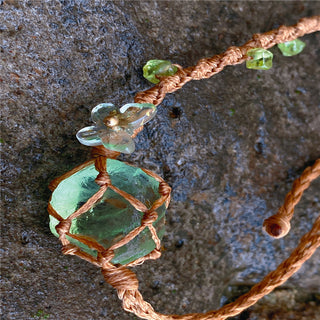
(277, 227)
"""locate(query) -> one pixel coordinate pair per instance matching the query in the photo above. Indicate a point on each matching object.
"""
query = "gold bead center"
(111, 121)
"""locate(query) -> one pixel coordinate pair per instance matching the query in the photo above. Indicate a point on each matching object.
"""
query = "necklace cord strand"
(277, 225)
(123, 279)
(205, 68)
(133, 301)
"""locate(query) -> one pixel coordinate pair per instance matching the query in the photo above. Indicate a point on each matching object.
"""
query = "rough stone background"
(229, 146)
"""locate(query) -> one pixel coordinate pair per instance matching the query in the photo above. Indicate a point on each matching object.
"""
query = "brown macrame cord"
(278, 225)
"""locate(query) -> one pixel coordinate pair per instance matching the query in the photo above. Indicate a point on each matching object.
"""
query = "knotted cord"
(278, 225)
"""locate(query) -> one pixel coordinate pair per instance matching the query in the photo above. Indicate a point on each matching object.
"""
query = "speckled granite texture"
(230, 147)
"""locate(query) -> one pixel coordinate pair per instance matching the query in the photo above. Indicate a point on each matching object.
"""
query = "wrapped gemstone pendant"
(108, 207)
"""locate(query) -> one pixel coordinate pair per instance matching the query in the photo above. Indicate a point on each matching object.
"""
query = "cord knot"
(103, 179)
(155, 254)
(105, 257)
(164, 189)
(63, 227)
(121, 278)
(149, 218)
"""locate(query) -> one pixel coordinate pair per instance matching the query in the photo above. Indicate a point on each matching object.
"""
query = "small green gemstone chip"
(158, 68)
(291, 48)
(261, 59)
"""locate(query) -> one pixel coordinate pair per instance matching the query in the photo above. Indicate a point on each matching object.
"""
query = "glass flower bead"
(261, 59)
(291, 48)
(114, 127)
(155, 69)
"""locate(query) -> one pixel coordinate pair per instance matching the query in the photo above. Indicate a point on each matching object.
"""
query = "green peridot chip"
(291, 48)
(261, 59)
(155, 69)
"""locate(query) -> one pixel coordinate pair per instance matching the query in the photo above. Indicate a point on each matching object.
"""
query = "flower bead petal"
(119, 141)
(89, 136)
(137, 114)
(101, 111)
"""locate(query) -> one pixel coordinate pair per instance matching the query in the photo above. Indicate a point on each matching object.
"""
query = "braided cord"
(123, 279)
(276, 226)
(205, 68)
(133, 301)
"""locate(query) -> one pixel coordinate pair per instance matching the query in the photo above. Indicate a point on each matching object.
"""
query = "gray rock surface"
(230, 147)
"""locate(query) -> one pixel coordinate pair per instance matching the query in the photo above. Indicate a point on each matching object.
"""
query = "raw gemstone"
(261, 59)
(112, 217)
(291, 48)
(160, 68)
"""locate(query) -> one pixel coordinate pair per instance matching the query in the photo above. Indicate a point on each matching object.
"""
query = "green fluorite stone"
(112, 217)
(160, 68)
(261, 59)
(291, 48)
